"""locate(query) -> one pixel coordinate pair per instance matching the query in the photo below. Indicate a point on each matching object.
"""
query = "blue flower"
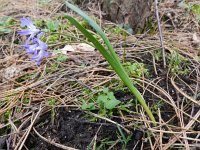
(34, 45)
(32, 31)
(39, 51)
(31, 49)
(39, 56)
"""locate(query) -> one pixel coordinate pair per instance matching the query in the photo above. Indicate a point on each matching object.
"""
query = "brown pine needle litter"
(26, 89)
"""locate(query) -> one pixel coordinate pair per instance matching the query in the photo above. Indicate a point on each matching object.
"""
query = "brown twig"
(160, 33)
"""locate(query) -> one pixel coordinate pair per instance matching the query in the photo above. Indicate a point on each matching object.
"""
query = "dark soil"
(71, 128)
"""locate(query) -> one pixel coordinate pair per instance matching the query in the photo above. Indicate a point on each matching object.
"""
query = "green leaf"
(5, 30)
(89, 106)
(6, 21)
(112, 103)
(196, 9)
(105, 90)
(62, 58)
(108, 100)
(96, 27)
(52, 25)
(102, 99)
(111, 95)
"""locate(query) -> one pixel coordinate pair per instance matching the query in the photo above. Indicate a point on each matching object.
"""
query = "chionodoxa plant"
(108, 53)
(38, 49)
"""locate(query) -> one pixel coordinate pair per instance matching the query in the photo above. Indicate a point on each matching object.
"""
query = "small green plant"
(40, 23)
(116, 30)
(87, 106)
(52, 25)
(191, 8)
(123, 139)
(104, 144)
(156, 105)
(5, 23)
(61, 58)
(26, 101)
(157, 54)
(7, 115)
(52, 103)
(108, 53)
(25, 77)
(178, 64)
(52, 39)
(107, 100)
(136, 69)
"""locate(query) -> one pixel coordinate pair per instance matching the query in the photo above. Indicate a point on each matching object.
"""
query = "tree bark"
(133, 13)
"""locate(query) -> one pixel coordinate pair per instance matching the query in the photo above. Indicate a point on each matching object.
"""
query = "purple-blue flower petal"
(27, 22)
(32, 31)
(31, 49)
(25, 32)
(42, 45)
(34, 45)
(38, 57)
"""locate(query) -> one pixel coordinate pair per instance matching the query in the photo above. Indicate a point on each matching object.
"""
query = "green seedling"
(105, 103)
(52, 26)
(18, 109)
(196, 10)
(107, 100)
(39, 23)
(52, 39)
(108, 53)
(178, 64)
(123, 139)
(105, 143)
(62, 58)
(5, 23)
(157, 54)
(25, 77)
(88, 106)
(136, 69)
(126, 106)
(115, 30)
(52, 104)
(191, 8)
(156, 106)
(26, 101)
(7, 115)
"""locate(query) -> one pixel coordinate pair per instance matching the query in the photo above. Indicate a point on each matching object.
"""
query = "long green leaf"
(112, 58)
(96, 27)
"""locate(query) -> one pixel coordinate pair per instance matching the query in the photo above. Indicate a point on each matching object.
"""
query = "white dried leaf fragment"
(10, 72)
(195, 38)
(85, 47)
(67, 48)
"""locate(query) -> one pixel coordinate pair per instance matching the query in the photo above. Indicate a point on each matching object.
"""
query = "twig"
(53, 143)
(104, 118)
(25, 136)
(160, 33)
(173, 140)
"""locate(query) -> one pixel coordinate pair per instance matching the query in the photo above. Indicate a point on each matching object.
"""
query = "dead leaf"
(85, 47)
(196, 39)
(67, 48)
